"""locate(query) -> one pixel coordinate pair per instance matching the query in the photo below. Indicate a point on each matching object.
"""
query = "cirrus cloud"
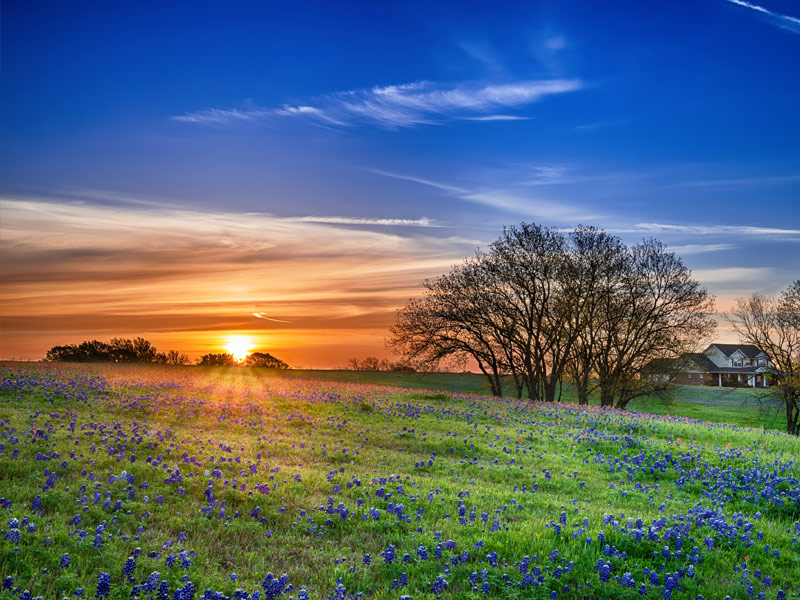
(406, 105)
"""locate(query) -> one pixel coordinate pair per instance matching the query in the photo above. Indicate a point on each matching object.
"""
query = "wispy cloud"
(221, 116)
(509, 198)
(700, 248)
(497, 118)
(406, 105)
(82, 269)
(532, 206)
(422, 222)
(748, 230)
(261, 315)
(430, 183)
(783, 21)
(733, 274)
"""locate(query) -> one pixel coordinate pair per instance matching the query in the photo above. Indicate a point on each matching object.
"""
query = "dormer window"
(736, 362)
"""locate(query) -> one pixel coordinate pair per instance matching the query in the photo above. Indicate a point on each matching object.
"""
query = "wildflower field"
(181, 483)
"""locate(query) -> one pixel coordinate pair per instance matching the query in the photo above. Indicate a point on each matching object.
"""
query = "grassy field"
(125, 482)
(737, 406)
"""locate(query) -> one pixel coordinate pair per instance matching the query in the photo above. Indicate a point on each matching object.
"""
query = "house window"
(736, 362)
(701, 377)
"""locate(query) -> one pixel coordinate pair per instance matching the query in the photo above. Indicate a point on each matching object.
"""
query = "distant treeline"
(140, 350)
(255, 359)
(118, 350)
(372, 363)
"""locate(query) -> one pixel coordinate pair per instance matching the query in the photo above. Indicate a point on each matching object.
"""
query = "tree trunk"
(518, 383)
(498, 385)
(550, 391)
(622, 402)
(606, 396)
(792, 410)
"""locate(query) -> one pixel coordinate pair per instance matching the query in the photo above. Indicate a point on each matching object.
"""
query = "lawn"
(188, 483)
(736, 406)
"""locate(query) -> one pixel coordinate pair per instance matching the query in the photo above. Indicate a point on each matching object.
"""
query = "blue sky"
(366, 145)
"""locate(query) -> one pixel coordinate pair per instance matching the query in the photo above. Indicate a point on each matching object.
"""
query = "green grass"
(307, 435)
(736, 406)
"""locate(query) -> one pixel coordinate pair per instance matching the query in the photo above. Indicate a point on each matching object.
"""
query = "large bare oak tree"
(543, 306)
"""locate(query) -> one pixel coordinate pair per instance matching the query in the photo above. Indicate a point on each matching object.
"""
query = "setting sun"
(239, 345)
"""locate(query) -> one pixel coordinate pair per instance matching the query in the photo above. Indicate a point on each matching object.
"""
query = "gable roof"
(701, 360)
(749, 350)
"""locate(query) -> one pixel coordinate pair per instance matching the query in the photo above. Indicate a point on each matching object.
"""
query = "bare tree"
(173, 357)
(540, 305)
(370, 363)
(600, 261)
(657, 311)
(528, 269)
(454, 320)
(774, 326)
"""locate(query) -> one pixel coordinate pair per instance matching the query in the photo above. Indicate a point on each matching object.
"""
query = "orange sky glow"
(311, 293)
(189, 280)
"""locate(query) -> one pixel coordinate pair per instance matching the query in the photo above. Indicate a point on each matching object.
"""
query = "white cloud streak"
(497, 118)
(261, 315)
(406, 105)
(509, 199)
(733, 274)
(783, 21)
(422, 222)
(700, 248)
(434, 184)
(747, 230)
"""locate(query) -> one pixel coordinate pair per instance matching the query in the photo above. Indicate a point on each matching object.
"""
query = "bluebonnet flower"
(388, 554)
(103, 585)
(127, 570)
(604, 569)
(274, 587)
(439, 586)
(64, 562)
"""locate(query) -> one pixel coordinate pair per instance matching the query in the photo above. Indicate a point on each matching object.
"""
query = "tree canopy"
(264, 360)
(773, 324)
(542, 306)
(118, 350)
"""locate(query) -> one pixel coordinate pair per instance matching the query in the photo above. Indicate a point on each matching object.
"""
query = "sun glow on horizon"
(239, 345)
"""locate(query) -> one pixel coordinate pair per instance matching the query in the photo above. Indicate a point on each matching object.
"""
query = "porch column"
(720, 379)
(754, 381)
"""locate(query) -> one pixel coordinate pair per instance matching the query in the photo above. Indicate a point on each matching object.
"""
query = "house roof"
(749, 350)
(701, 360)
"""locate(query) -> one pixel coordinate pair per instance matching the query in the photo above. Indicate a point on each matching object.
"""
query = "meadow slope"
(186, 483)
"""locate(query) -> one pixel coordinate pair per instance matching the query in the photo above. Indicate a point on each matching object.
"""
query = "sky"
(290, 172)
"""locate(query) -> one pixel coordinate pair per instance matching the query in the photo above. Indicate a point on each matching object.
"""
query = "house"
(723, 365)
